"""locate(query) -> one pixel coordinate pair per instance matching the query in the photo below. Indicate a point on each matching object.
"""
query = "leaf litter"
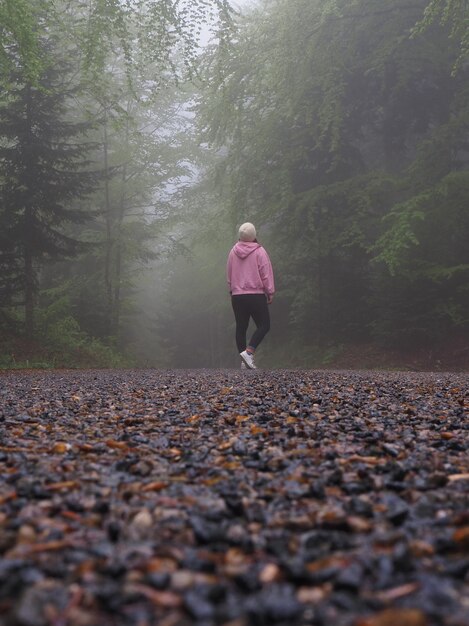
(224, 498)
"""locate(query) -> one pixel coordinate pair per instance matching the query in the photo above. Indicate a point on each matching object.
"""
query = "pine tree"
(45, 171)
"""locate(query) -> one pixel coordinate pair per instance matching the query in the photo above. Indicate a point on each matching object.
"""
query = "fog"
(131, 156)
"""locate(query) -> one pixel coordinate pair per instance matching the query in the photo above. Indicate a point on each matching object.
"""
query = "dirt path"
(174, 498)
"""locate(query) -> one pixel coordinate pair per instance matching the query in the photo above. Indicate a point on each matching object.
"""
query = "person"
(251, 283)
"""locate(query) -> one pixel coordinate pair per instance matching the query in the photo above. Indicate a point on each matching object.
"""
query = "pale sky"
(242, 3)
(236, 4)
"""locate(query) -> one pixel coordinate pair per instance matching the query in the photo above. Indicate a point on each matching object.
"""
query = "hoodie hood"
(243, 249)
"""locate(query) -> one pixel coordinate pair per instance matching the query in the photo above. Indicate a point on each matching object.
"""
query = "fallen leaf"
(394, 617)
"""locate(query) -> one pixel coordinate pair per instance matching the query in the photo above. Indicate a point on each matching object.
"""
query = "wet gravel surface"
(244, 499)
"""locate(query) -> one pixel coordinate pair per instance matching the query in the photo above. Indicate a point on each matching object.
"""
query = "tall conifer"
(45, 171)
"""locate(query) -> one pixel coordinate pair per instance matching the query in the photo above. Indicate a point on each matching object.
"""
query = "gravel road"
(221, 497)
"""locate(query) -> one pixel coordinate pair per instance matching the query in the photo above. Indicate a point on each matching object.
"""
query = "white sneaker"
(248, 359)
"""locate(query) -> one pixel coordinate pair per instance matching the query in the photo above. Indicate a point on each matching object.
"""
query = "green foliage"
(18, 27)
(143, 33)
(61, 337)
(348, 139)
(58, 342)
(453, 14)
(393, 245)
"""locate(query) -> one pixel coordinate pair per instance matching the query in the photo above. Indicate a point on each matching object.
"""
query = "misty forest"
(156, 469)
(136, 136)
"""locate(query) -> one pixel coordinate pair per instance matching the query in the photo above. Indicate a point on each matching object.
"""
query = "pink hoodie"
(249, 269)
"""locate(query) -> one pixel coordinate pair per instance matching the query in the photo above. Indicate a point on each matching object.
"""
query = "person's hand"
(269, 299)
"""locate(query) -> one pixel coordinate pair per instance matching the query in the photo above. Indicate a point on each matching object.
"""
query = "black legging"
(246, 306)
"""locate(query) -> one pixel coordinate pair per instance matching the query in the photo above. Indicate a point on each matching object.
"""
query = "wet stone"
(275, 604)
(350, 578)
(34, 605)
(198, 605)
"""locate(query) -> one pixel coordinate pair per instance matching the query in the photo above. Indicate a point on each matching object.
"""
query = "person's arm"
(228, 271)
(266, 273)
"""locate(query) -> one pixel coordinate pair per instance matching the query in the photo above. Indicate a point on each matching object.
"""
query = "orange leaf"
(156, 485)
(455, 477)
(209, 482)
(368, 460)
(163, 599)
(161, 564)
(395, 617)
(326, 563)
(60, 447)
(232, 465)
(313, 595)
(117, 445)
(420, 548)
(67, 484)
(7, 497)
(257, 430)
(242, 418)
(235, 556)
(447, 435)
(174, 452)
(71, 515)
(50, 546)
(398, 592)
(359, 524)
(462, 536)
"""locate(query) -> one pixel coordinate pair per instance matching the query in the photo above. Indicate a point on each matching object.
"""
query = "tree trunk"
(117, 292)
(28, 263)
(109, 241)
(117, 274)
(29, 278)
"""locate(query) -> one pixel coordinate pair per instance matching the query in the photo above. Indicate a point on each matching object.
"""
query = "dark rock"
(158, 580)
(36, 601)
(198, 605)
(113, 531)
(397, 510)
(206, 531)
(272, 605)
(350, 578)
